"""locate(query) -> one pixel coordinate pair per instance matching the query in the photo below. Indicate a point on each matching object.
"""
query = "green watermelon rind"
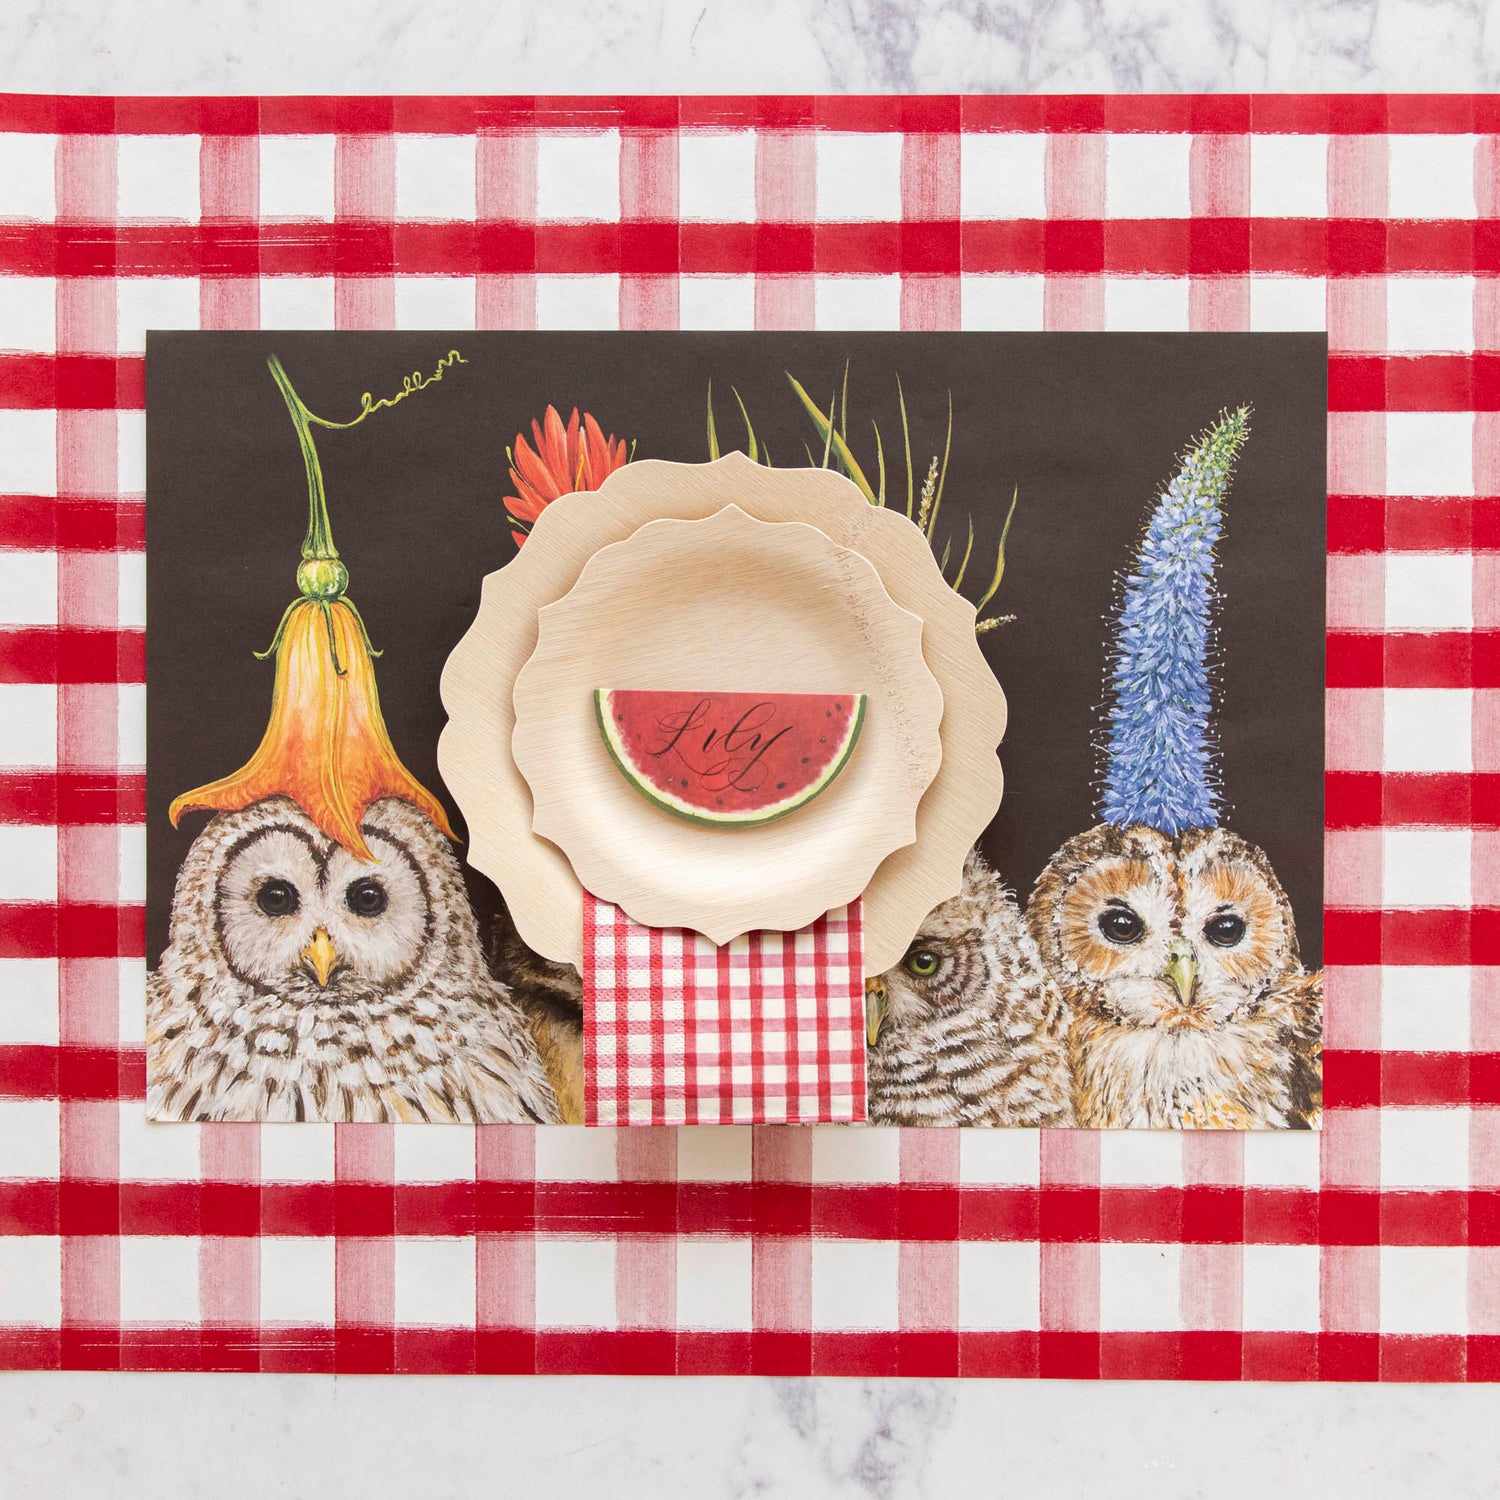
(757, 818)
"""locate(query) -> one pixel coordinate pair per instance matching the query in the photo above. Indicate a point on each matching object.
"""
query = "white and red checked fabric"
(768, 1029)
(1370, 1253)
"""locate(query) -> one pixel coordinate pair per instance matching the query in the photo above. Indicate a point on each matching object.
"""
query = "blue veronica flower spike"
(1158, 753)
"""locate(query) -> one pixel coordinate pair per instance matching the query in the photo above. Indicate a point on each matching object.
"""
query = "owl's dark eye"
(1224, 929)
(922, 962)
(1121, 925)
(278, 898)
(366, 898)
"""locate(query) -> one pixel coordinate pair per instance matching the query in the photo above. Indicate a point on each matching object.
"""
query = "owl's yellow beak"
(1181, 971)
(877, 1008)
(321, 956)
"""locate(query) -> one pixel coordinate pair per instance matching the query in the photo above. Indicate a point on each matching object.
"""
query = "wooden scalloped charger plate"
(735, 605)
(474, 753)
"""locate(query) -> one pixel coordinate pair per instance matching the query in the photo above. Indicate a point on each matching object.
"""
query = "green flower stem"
(317, 582)
(322, 575)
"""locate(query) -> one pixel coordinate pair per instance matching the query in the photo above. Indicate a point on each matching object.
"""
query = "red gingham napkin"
(766, 1030)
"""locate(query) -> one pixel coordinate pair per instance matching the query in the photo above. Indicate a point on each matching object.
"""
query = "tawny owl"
(302, 983)
(968, 1029)
(1178, 959)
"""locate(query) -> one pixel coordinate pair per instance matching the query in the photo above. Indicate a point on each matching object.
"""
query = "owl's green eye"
(922, 962)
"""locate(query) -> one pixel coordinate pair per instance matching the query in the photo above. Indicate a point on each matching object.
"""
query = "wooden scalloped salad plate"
(760, 613)
(541, 889)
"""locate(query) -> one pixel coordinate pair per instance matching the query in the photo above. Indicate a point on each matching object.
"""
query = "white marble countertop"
(746, 46)
(223, 1436)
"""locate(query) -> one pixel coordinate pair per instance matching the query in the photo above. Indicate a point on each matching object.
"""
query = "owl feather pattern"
(968, 1029)
(550, 995)
(302, 983)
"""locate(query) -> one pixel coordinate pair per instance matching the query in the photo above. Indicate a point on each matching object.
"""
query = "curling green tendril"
(322, 577)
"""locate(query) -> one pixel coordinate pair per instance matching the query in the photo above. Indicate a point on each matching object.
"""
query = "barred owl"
(1178, 959)
(968, 1029)
(550, 995)
(301, 983)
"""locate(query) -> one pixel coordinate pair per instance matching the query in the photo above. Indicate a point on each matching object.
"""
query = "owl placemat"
(1112, 951)
(586, 656)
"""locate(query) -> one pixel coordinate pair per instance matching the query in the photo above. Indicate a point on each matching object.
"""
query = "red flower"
(565, 459)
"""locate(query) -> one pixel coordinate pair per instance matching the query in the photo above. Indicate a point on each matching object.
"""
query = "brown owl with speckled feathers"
(1170, 937)
(1178, 958)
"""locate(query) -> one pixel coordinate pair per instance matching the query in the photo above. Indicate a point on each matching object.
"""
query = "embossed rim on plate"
(474, 750)
(823, 622)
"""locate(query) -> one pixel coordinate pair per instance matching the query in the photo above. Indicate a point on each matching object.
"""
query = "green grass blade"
(906, 442)
(947, 549)
(749, 430)
(989, 593)
(1010, 516)
(937, 498)
(713, 435)
(835, 443)
(844, 414)
(828, 443)
(879, 459)
(963, 567)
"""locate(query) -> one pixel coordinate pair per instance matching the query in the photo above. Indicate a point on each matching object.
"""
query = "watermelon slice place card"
(731, 760)
(622, 722)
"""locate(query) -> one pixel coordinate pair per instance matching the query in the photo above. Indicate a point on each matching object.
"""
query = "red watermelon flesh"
(736, 759)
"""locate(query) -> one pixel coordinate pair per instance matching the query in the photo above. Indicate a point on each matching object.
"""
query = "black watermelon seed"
(804, 760)
(684, 781)
(781, 786)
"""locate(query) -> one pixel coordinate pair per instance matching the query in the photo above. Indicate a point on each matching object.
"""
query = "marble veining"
(714, 46)
(1069, 46)
(224, 1437)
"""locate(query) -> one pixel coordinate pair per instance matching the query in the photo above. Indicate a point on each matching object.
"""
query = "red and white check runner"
(1370, 1251)
(767, 1030)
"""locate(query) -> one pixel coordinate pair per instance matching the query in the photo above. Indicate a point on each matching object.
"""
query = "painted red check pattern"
(765, 1030)
(1370, 1253)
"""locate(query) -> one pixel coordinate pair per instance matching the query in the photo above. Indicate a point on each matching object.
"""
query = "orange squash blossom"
(326, 745)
